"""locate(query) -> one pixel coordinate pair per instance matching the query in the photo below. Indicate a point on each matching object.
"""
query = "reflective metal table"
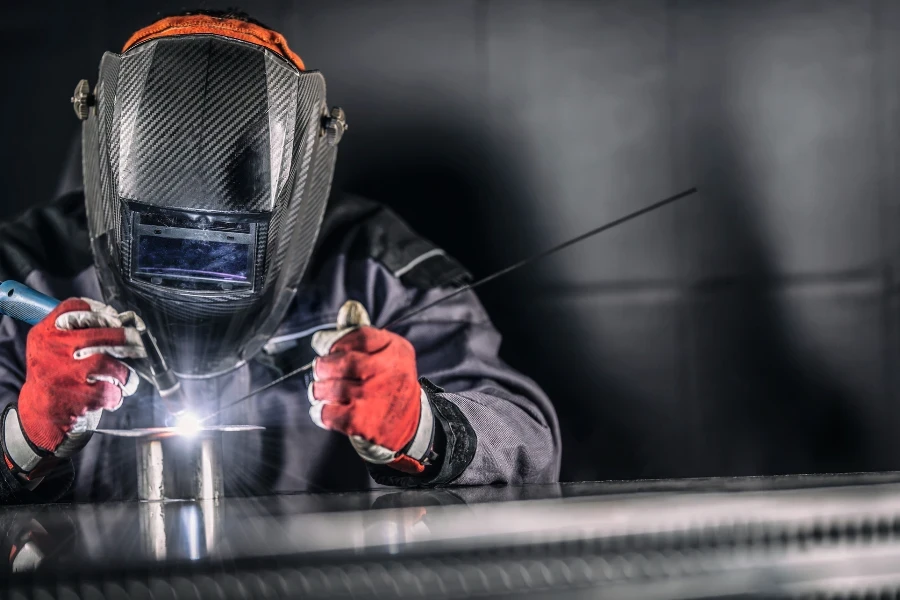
(792, 536)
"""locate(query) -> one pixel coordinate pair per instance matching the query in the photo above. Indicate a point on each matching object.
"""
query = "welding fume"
(216, 259)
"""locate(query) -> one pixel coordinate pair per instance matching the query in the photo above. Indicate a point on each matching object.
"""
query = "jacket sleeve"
(498, 425)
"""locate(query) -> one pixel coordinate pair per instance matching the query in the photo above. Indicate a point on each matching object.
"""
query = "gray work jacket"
(497, 424)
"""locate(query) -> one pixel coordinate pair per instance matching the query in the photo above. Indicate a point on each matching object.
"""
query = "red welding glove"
(72, 374)
(365, 386)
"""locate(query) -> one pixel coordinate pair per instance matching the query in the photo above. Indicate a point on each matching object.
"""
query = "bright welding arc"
(483, 280)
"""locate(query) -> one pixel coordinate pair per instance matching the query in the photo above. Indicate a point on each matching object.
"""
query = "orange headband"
(230, 28)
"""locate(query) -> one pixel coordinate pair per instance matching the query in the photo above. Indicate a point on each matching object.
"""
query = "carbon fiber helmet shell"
(210, 135)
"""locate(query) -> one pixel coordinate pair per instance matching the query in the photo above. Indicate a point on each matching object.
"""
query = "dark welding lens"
(198, 259)
(191, 252)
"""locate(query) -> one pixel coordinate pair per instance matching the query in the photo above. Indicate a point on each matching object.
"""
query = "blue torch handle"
(19, 301)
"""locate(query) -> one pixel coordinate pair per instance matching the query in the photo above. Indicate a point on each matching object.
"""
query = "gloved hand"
(72, 373)
(365, 385)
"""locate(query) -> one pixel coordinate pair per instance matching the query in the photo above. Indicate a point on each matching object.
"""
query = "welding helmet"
(208, 153)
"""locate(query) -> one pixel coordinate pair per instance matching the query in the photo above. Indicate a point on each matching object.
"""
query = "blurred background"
(750, 329)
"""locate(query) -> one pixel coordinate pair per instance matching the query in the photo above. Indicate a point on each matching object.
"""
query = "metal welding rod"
(478, 283)
(22, 303)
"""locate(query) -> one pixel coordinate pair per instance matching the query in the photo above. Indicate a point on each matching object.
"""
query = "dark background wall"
(751, 329)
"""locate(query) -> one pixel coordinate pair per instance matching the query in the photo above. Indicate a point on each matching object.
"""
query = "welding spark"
(188, 424)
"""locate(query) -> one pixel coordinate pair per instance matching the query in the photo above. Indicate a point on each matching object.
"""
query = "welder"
(203, 211)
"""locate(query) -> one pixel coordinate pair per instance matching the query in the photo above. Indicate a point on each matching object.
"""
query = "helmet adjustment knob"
(82, 100)
(334, 126)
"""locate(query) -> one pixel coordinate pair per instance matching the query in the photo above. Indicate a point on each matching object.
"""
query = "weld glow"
(188, 424)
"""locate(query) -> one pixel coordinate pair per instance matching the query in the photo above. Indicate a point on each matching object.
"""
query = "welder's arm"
(72, 374)
(13, 488)
(498, 425)
(488, 423)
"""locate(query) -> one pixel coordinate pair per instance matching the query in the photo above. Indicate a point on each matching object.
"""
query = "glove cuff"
(420, 446)
(24, 456)
(18, 450)
(415, 456)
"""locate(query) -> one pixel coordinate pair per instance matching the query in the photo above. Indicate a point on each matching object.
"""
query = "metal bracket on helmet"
(334, 126)
(82, 99)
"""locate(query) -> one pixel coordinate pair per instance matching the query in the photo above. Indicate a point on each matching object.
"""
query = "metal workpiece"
(190, 469)
(207, 484)
(178, 463)
(151, 486)
(178, 468)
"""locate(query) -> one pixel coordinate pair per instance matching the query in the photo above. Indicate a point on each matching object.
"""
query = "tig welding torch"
(22, 303)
